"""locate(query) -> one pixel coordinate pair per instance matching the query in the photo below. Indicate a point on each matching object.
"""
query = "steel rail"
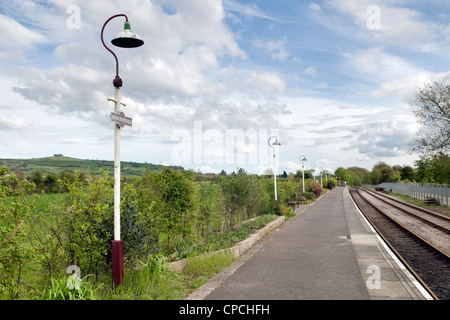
(412, 214)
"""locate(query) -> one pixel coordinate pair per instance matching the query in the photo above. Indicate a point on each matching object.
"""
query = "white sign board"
(121, 119)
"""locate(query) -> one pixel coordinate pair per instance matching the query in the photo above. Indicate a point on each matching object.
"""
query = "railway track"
(433, 219)
(429, 264)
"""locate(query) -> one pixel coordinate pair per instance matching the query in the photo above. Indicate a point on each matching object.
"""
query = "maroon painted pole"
(117, 263)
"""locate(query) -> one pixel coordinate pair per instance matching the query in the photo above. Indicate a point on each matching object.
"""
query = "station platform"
(328, 251)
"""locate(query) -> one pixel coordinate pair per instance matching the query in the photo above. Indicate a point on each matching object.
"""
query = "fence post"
(446, 193)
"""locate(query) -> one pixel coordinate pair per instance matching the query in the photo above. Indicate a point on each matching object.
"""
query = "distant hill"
(58, 163)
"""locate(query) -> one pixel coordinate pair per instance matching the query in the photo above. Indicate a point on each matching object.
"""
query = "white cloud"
(17, 36)
(268, 83)
(179, 60)
(380, 139)
(311, 71)
(405, 88)
(276, 49)
(249, 10)
(8, 122)
(377, 65)
(399, 25)
(314, 6)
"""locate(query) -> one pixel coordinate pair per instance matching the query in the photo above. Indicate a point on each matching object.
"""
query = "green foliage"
(353, 176)
(433, 168)
(259, 200)
(204, 267)
(138, 229)
(209, 215)
(174, 205)
(331, 183)
(14, 218)
(221, 240)
(150, 281)
(68, 288)
(343, 175)
(287, 211)
(287, 190)
(235, 192)
(87, 219)
(156, 266)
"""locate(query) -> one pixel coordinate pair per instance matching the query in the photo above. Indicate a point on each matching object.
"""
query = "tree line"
(433, 168)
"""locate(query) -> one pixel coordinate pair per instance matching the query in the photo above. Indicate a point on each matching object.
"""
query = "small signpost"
(121, 119)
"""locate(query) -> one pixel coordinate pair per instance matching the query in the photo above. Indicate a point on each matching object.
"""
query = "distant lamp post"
(313, 166)
(303, 171)
(125, 39)
(276, 143)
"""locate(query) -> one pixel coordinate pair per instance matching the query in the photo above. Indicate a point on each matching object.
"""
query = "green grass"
(43, 201)
(199, 269)
(154, 280)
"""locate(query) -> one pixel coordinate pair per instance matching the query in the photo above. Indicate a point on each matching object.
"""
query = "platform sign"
(121, 119)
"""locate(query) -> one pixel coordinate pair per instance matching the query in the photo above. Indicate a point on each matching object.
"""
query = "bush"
(87, 223)
(331, 183)
(287, 211)
(15, 216)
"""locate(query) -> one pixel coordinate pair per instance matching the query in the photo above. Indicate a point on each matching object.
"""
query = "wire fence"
(419, 191)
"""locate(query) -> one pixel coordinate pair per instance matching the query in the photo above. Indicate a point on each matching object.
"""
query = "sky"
(216, 81)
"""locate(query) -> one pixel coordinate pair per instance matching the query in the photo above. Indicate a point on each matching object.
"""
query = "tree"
(343, 174)
(359, 176)
(382, 172)
(209, 215)
(432, 111)
(236, 192)
(424, 172)
(50, 183)
(174, 204)
(407, 173)
(441, 167)
(433, 168)
(38, 180)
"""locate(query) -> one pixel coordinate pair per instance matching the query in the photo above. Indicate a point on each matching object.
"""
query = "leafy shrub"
(14, 224)
(287, 211)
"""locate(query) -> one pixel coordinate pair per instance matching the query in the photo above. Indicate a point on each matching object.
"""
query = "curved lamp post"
(276, 143)
(303, 158)
(313, 166)
(125, 39)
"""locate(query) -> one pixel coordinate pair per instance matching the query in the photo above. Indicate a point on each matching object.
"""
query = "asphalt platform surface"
(326, 252)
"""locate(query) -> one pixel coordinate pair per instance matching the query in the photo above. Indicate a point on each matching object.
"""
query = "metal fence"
(420, 191)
